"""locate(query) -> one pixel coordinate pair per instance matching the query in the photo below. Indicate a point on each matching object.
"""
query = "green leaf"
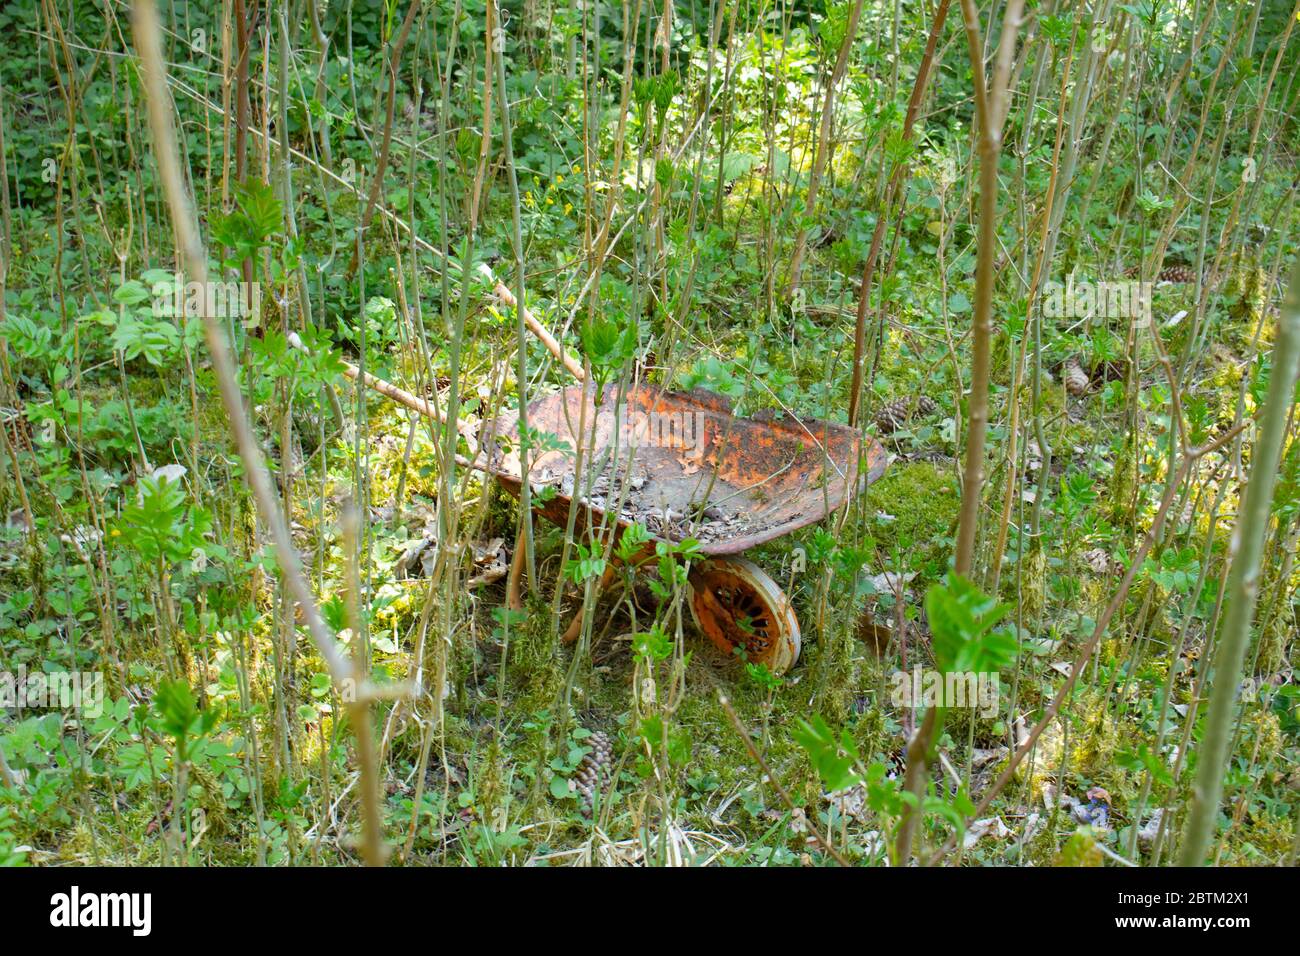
(962, 620)
(833, 759)
(131, 292)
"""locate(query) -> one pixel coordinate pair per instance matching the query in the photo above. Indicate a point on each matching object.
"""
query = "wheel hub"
(737, 605)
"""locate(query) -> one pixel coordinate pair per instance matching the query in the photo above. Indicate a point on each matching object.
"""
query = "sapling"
(194, 259)
(1243, 581)
(991, 111)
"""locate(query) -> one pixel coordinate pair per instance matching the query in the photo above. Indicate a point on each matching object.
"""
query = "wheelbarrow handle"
(425, 408)
(572, 365)
(399, 395)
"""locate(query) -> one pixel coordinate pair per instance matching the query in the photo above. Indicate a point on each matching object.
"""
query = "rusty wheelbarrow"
(681, 465)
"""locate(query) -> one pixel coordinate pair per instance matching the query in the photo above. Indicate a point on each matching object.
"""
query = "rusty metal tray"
(682, 464)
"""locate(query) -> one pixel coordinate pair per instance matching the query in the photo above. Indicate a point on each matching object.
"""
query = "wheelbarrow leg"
(575, 626)
(514, 597)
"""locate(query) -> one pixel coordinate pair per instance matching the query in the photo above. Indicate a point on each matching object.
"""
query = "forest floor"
(133, 553)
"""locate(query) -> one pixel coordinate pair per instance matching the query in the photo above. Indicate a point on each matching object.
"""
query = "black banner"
(142, 907)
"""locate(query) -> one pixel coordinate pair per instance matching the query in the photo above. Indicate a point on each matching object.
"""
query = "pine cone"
(892, 415)
(1076, 379)
(1176, 274)
(896, 413)
(593, 773)
(1167, 274)
(1098, 559)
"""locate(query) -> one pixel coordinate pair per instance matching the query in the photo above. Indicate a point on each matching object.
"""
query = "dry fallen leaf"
(990, 826)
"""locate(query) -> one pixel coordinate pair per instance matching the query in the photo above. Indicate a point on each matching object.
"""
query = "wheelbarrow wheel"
(737, 605)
